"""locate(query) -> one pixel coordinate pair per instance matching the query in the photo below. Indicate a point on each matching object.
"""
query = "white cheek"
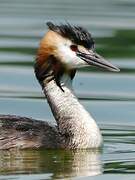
(69, 57)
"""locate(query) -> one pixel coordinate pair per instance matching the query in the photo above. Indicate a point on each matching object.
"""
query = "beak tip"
(116, 69)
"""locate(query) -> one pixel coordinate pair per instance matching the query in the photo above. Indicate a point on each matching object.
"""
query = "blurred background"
(110, 97)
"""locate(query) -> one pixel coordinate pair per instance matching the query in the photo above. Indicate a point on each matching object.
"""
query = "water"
(110, 97)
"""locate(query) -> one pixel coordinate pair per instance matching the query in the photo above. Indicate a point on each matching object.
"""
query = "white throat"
(78, 128)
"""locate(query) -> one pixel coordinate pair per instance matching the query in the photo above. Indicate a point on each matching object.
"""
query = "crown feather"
(76, 34)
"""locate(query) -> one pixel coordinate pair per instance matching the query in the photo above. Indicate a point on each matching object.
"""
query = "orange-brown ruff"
(63, 49)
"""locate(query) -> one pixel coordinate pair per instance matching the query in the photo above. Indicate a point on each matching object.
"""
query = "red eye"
(74, 48)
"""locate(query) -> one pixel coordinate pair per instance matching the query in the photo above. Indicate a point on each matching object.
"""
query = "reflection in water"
(59, 163)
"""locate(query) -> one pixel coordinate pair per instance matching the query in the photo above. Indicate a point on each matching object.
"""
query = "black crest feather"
(76, 34)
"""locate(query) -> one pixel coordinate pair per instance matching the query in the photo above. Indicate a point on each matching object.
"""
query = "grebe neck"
(77, 128)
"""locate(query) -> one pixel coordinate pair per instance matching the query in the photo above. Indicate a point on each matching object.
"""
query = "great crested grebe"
(62, 50)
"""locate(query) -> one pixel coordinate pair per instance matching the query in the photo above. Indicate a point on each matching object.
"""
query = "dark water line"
(111, 99)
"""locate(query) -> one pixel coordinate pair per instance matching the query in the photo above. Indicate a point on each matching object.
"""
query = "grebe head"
(66, 48)
(75, 47)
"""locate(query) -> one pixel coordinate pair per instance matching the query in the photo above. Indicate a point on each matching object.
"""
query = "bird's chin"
(78, 66)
